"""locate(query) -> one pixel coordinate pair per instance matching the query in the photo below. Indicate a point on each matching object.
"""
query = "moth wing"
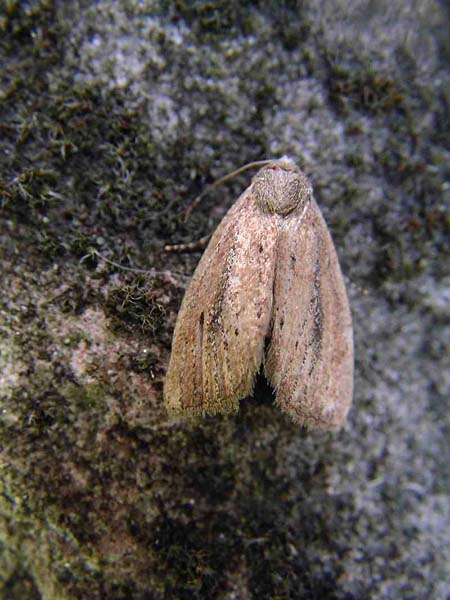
(219, 336)
(309, 361)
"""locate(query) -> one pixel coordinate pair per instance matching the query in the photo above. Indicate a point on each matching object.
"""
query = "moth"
(268, 292)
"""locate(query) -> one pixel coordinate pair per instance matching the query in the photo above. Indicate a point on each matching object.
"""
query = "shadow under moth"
(268, 291)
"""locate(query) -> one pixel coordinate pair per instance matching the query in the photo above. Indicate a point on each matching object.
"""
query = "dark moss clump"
(227, 18)
(91, 148)
(364, 91)
(135, 305)
(72, 166)
(30, 22)
(20, 586)
(212, 18)
(195, 556)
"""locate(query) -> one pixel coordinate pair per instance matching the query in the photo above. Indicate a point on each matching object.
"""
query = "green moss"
(20, 586)
(91, 395)
(209, 18)
(31, 190)
(135, 304)
(294, 32)
(355, 160)
(354, 128)
(96, 148)
(23, 20)
(222, 19)
(74, 298)
(85, 149)
(365, 91)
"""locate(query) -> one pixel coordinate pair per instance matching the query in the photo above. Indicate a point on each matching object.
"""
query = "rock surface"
(113, 116)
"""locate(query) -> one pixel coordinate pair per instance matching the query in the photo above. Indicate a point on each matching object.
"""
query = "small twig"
(191, 247)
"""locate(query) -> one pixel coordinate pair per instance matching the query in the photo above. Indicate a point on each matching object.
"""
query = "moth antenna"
(209, 188)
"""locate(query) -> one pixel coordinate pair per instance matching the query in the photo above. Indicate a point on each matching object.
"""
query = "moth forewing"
(219, 336)
(310, 357)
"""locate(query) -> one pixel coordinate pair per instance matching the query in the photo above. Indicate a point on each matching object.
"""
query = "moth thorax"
(281, 188)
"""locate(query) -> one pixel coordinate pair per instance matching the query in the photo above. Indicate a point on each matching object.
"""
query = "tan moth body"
(267, 291)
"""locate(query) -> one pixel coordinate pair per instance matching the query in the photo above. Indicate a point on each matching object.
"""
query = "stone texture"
(113, 116)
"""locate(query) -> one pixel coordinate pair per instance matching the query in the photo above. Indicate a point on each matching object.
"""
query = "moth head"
(281, 188)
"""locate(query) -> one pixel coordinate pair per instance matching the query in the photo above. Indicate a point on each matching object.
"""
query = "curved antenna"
(209, 188)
